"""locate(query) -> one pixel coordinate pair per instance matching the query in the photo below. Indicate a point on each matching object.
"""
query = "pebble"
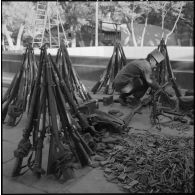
(109, 140)
(95, 164)
(98, 158)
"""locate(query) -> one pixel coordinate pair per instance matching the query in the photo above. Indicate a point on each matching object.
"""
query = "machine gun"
(144, 102)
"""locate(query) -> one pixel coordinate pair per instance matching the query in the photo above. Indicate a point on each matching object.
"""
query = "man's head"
(155, 57)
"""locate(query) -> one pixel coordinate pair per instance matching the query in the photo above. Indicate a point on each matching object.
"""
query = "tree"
(170, 12)
(77, 14)
(129, 13)
(185, 26)
(17, 17)
(176, 11)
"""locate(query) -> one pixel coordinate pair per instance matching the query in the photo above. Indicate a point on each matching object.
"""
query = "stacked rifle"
(164, 75)
(15, 100)
(116, 63)
(49, 113)
(71, 77)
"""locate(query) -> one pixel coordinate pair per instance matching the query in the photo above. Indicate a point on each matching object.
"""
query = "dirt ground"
(88, 179)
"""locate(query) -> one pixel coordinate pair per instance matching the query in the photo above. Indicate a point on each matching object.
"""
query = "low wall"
(90, 62)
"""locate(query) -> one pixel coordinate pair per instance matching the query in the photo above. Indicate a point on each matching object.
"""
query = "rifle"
(57, 151)
(81, 148)
(103, 77)
(170, 71)
(82, 119)
(39, 137)
(64, 69)
(183, 102)
(7, 93)
(123, 57)
(82, 90)
(109, 71)
(15, 88)
(24, 145)
(18, 105)
(69, 120)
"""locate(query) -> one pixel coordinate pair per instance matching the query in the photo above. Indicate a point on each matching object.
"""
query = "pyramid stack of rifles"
(50, 92)
(115, 64)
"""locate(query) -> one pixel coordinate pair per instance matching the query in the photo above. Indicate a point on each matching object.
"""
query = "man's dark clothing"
(134, 73)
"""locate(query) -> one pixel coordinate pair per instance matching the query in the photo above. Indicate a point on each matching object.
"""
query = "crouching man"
(134, 79)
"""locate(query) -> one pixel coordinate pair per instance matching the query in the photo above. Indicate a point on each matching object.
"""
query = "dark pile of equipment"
(15, 100)
(116, 63)
(54, 112)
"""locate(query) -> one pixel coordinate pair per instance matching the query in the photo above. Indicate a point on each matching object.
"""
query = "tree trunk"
(81, 42)
(91, 43)
(18, 44)
(178, 42)
(133, 33)
(3, 43)
(144, 32)
(174, 25)
(131, 30)
(191, 42)
(8, 37)
(162, 27)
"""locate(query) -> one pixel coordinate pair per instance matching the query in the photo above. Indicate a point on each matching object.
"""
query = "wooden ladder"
(44, 23)
(40, 23)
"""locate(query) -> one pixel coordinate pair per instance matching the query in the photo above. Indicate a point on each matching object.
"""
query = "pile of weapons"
(116, 62)
(15, 100)
(151, 163)
(53, 112)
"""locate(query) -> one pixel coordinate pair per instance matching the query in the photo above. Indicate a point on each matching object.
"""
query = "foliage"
(74, 15)
(16, 13)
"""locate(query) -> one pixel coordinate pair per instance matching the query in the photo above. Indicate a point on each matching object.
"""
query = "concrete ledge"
(90, 62)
